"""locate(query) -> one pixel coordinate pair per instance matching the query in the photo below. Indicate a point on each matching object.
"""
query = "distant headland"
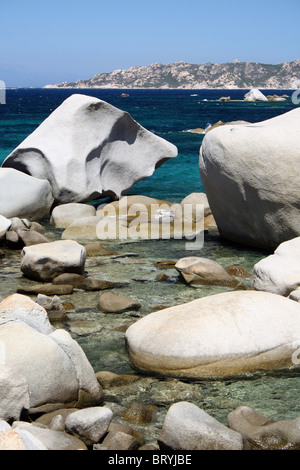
(178, 75)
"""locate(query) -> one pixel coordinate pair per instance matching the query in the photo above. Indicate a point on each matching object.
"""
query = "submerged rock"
(263, 433)
(252, 190)
(112, 303)
(217, 336)
(88, 148)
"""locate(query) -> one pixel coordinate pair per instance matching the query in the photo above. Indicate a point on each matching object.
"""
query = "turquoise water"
(170, 114)
(167, 113)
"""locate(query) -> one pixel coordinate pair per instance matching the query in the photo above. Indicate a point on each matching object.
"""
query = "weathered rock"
(46, 261)
(112, 303)
(118, 427)
(255, 95)
(52, 440)
(46, 289)
(4, 226)
(109, 379)
(85, 327)
(37, 227)
(237, 271)
(56, 419)
(187, 427)
(19, 224)
(202, 271)
(82, 229)
(11, 439)
(64, 215)
(19, 308)
(97, 249)
(263, 433)
(14, 392)
(240, 167)
(295, 295)
(31, 237)
(70, 279)
(23, 196)
(279, 273)
(53, 306)
(98, 284)
(217, 336)
(28, 338)
(90, 424)
(13, 241)
(85, 145)
(120, 441)
(165, 264)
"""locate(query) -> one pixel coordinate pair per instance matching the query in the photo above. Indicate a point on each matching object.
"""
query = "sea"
(171, 114)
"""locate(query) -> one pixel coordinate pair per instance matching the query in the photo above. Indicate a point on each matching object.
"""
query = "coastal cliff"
(192, 76)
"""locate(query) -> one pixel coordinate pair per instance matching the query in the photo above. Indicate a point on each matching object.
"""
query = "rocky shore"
(107, 345)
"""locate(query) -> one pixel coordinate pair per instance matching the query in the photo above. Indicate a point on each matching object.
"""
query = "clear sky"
(52, 41)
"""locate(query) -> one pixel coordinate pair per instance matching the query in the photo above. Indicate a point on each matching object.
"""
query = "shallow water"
(170, 114)
(274, 394)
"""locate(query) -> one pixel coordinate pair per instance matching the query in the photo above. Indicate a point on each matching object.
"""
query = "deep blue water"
(167, 113)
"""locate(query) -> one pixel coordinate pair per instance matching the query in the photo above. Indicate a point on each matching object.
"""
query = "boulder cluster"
(50, 396)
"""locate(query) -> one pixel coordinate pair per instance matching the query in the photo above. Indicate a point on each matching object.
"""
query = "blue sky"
(49, 42)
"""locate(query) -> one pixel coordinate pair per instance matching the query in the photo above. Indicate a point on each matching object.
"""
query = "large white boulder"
(217, 336)
(88, 148)
(250, 180)
(41, 366)
(23, 196)
(46, 261)
(279, 273)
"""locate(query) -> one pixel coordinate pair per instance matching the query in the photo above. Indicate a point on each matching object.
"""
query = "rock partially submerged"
(253, 191)
(217, 336)
(198, 271)
(87, 148)
(263, 433)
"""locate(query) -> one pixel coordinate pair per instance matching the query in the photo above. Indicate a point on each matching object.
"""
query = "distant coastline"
(180, 75)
